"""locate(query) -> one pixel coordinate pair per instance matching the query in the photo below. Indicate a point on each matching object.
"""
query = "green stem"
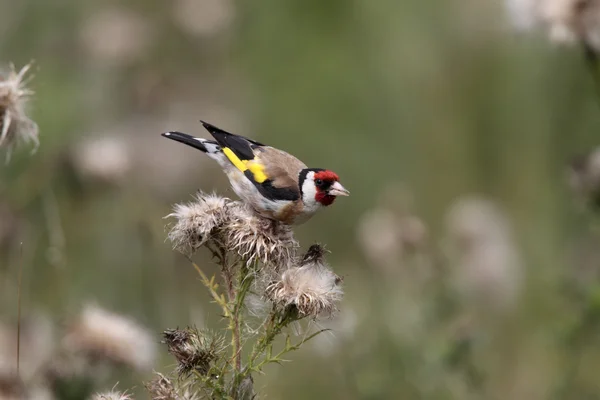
(575, 342)
(591, 61)
(212, 286)
(273, 328)
(245, 280)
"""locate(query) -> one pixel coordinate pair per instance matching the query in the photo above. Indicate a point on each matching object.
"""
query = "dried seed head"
(311, 288)
(256, 238)
(198, 221)
(163, 388)
(194, 350)
(112, 395)
(15, 126)
(101, 334)
(233, 226)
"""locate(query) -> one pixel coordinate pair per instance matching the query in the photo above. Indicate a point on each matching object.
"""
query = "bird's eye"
(318, 182)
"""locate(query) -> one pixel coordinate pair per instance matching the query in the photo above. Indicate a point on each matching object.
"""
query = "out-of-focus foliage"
(436, 115)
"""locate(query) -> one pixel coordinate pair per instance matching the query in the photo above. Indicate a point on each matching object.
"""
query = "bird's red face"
(327, 187)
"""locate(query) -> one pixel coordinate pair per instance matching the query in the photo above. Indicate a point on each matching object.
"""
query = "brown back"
(281, 167)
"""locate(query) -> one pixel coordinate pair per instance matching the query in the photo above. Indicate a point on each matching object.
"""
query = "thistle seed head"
(255, 238)
(15, 126)
(312, 288)
(164, 388)
(198, 221)
(161, 388)
(112, 395)
(233, 226)
(194, 350)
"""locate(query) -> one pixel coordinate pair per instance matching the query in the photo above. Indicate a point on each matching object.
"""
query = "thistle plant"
(258, 259)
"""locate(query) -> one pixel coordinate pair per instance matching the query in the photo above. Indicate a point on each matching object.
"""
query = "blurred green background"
(414, 104)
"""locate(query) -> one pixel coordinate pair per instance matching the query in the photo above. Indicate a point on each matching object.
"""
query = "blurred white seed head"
(233, 226)
(115, 35)
(343, 328)
(15, 126)
(488, 269)
(385, 237)
(565, 21)
(101, 334)
(104, 159)
(391, 231)
(112, 395)
(311, 288)
(40, 392)
(204, 17)
(379, 236)
(524, 14)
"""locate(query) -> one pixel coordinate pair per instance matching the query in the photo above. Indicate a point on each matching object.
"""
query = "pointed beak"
(185, 139)
(338, 190)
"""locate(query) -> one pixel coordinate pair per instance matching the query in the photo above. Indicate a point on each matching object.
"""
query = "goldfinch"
(276, 184)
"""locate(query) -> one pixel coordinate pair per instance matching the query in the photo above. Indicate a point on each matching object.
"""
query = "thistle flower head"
(194, 350)
(198, 221)
(163, 388)
(233, 226)
(15, 126)
(99, 333)
(256, 238)
(311, 288)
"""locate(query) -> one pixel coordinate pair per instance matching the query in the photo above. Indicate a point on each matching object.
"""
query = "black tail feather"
(240, 145)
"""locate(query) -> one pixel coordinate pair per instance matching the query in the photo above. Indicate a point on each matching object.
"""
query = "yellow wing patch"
(257, 169)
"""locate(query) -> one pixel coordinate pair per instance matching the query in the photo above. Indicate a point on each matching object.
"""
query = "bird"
(277, 185)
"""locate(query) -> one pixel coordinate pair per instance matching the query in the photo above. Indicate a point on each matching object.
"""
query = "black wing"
(241, 146)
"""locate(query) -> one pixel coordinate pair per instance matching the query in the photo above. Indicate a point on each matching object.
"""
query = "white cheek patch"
(309, 191)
